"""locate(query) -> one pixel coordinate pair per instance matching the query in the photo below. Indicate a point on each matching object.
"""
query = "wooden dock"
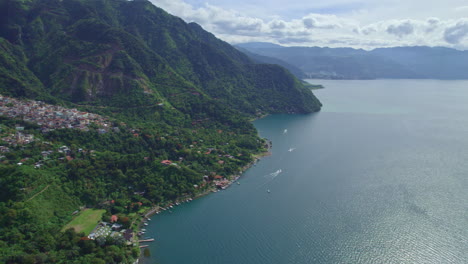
(146, 240)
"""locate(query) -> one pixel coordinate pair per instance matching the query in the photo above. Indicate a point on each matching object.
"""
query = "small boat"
(268, 191)
(238, 183)
(145, 224)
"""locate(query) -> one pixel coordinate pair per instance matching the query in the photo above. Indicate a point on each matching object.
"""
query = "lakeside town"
(14, 136)
(48, 118)
(51, 117)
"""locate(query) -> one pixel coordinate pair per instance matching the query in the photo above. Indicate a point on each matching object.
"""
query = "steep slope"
(110, 52)
(15, 77)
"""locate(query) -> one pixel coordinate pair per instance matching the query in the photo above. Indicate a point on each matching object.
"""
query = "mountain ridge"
(149, 47)
(348, 63)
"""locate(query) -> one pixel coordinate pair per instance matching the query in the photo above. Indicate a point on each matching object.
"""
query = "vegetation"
(86, 221)
(172, 92)
(313, 86)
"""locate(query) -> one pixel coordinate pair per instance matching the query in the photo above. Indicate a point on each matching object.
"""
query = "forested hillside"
(172, 104)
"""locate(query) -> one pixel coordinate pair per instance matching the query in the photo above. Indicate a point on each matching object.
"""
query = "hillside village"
(50, 117)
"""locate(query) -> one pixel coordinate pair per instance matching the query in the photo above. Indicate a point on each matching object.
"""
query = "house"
(116, 226)
(114, 218)
(166, 162)
(63, 149)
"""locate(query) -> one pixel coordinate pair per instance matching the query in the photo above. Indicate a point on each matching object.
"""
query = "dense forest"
(171, 92)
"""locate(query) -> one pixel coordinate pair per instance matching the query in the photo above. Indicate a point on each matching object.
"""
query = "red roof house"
(166, 162)
(114, 218)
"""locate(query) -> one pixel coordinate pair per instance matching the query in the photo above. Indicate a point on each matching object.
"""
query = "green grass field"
(86, 221)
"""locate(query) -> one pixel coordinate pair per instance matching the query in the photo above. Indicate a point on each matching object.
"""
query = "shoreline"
(212, 189)
(232, 178)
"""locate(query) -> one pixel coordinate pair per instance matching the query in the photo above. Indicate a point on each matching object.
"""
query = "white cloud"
(457, 33)
(402, 29)
(321, 21)
(277, 24)
(367, 27)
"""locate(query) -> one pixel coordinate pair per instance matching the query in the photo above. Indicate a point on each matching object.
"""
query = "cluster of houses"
(221, 182)
(50, 117)
(4, 149)
(114, 230)
(19, 138)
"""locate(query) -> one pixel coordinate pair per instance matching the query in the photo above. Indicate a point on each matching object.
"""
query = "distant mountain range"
(348, 63)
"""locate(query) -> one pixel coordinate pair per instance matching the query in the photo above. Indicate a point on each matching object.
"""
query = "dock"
(146, 240)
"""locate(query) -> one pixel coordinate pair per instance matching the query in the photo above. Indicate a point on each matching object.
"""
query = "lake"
(380, 175)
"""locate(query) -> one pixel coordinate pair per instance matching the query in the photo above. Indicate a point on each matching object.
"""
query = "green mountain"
(348, 63)
(170, 92)
(117, 52)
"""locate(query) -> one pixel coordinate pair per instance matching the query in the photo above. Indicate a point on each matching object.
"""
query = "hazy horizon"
(362, 24)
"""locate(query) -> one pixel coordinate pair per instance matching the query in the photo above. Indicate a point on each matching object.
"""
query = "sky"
(366, 24)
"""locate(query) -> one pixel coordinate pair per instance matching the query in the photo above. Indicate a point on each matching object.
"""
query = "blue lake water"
(380, 175)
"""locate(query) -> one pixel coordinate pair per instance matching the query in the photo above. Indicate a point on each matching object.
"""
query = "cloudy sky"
(334, 23)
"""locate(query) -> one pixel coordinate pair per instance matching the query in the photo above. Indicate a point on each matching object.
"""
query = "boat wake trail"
(270, 177)
(273, 175)
(276, 173)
